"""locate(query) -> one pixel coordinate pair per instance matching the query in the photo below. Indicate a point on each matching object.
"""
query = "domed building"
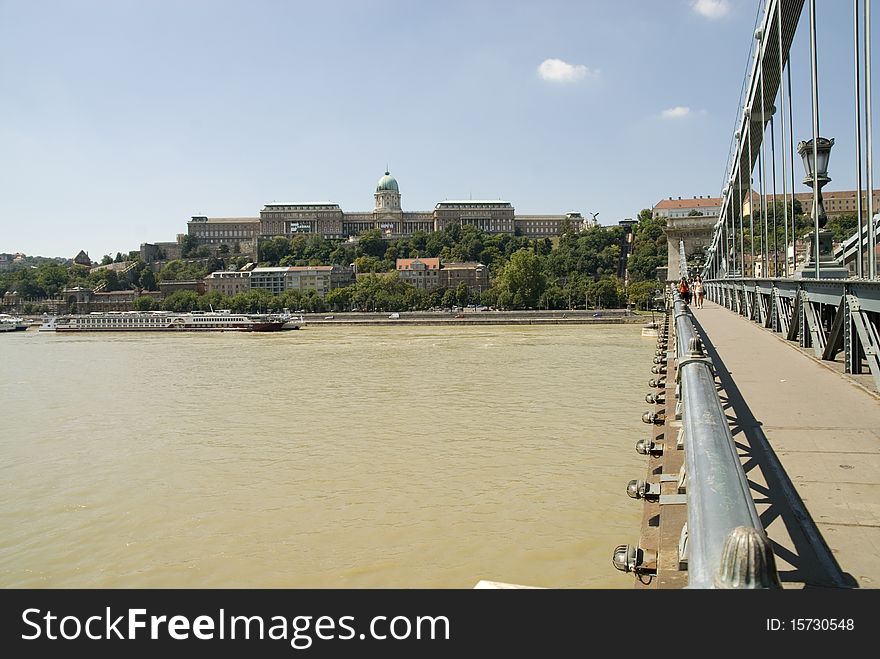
(387, 208)
(328, 220)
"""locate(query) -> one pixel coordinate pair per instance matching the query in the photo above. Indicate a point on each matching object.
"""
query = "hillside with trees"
(575, 270)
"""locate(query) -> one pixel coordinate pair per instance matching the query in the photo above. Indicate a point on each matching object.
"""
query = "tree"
(188, 245)
(339, 299)
(371, 264)
(143, 303)
(371, 243)
(106, 259)
(448, 300)
(649, 247)
(642, 293)
(147, 279)
(52, 278)
(224, 249)
(181, 301)
(119, 258)
(523, 280)
(462, 294)
(605, 292)
(843, 227)
(274, 249)
(111, 279)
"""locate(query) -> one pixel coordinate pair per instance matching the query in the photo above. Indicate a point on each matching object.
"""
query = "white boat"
(651, 329)
(294, 323)
(12, 323)
(165, 321)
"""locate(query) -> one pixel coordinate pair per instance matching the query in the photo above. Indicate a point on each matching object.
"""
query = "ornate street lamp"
(817, 171)
(816, 166)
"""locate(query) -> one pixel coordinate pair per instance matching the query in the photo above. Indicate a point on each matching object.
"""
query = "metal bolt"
(658, 369)
(747, 561)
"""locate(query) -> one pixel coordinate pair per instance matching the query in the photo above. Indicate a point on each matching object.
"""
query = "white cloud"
(711, 8)
(678, 112)
(559, 70)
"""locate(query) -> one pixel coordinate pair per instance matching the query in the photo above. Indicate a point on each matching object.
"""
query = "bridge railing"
(724, 543)
(829, 316)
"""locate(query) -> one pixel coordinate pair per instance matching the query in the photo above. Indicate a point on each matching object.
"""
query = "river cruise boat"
(166, 321)
(12, 323)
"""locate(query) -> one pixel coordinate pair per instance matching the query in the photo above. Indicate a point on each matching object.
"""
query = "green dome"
(387, 182)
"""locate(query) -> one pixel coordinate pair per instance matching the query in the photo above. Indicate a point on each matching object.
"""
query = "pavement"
(809, 438)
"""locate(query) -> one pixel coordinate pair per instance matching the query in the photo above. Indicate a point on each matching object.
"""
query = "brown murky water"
(364, 457)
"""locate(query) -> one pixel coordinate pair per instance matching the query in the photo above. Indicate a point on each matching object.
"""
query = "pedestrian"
(699, 291)
(684, 291)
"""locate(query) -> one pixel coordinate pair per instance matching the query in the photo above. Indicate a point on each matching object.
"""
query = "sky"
(119, 120)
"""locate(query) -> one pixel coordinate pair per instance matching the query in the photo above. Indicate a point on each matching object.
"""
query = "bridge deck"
(810, 443)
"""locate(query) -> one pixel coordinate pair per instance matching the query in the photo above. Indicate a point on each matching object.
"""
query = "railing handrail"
(726, 543)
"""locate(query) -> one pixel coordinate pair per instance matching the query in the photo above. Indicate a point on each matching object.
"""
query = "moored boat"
(293, 322)
(10, 323)
(165, 321)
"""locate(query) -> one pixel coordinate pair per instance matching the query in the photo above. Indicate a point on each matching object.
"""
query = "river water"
(352, 457)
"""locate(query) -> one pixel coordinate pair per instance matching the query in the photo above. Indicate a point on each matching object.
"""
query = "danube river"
(352, 457)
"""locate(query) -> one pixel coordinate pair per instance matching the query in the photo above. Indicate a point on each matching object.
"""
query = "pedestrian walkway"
(810, 443)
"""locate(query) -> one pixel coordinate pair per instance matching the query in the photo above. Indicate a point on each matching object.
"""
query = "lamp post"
(820, 261)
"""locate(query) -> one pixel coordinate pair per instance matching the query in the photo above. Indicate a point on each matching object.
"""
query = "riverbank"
(445, 318)
(470, 318)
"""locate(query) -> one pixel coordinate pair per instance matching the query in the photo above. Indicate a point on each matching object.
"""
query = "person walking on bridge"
(684, 291)
(699, 291)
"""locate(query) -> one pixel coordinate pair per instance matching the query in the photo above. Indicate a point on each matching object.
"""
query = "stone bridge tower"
(696, 232)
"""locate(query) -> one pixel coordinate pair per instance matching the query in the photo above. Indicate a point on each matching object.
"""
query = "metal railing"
(724, 532)
(829, 316)
(722, 543)
(725, 545)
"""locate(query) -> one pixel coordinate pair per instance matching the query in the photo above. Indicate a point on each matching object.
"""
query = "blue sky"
(120, 119)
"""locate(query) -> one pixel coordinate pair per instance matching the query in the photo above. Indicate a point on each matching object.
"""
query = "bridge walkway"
(809, 438)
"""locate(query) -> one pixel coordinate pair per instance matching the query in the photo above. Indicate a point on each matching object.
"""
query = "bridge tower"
(695, 231)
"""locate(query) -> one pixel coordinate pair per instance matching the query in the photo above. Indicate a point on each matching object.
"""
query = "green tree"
(147, 279)
(449, 299)
(642, 293)
(143, 303)
(274, 249)
(606, 292)
(181, 301)
(371, 264)
(522, 282)
(843, 227)
(111, 279)
(649, 247)
(339, 299)
(188, 245)
(53, 279)
(371, 243)
(106, 259)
